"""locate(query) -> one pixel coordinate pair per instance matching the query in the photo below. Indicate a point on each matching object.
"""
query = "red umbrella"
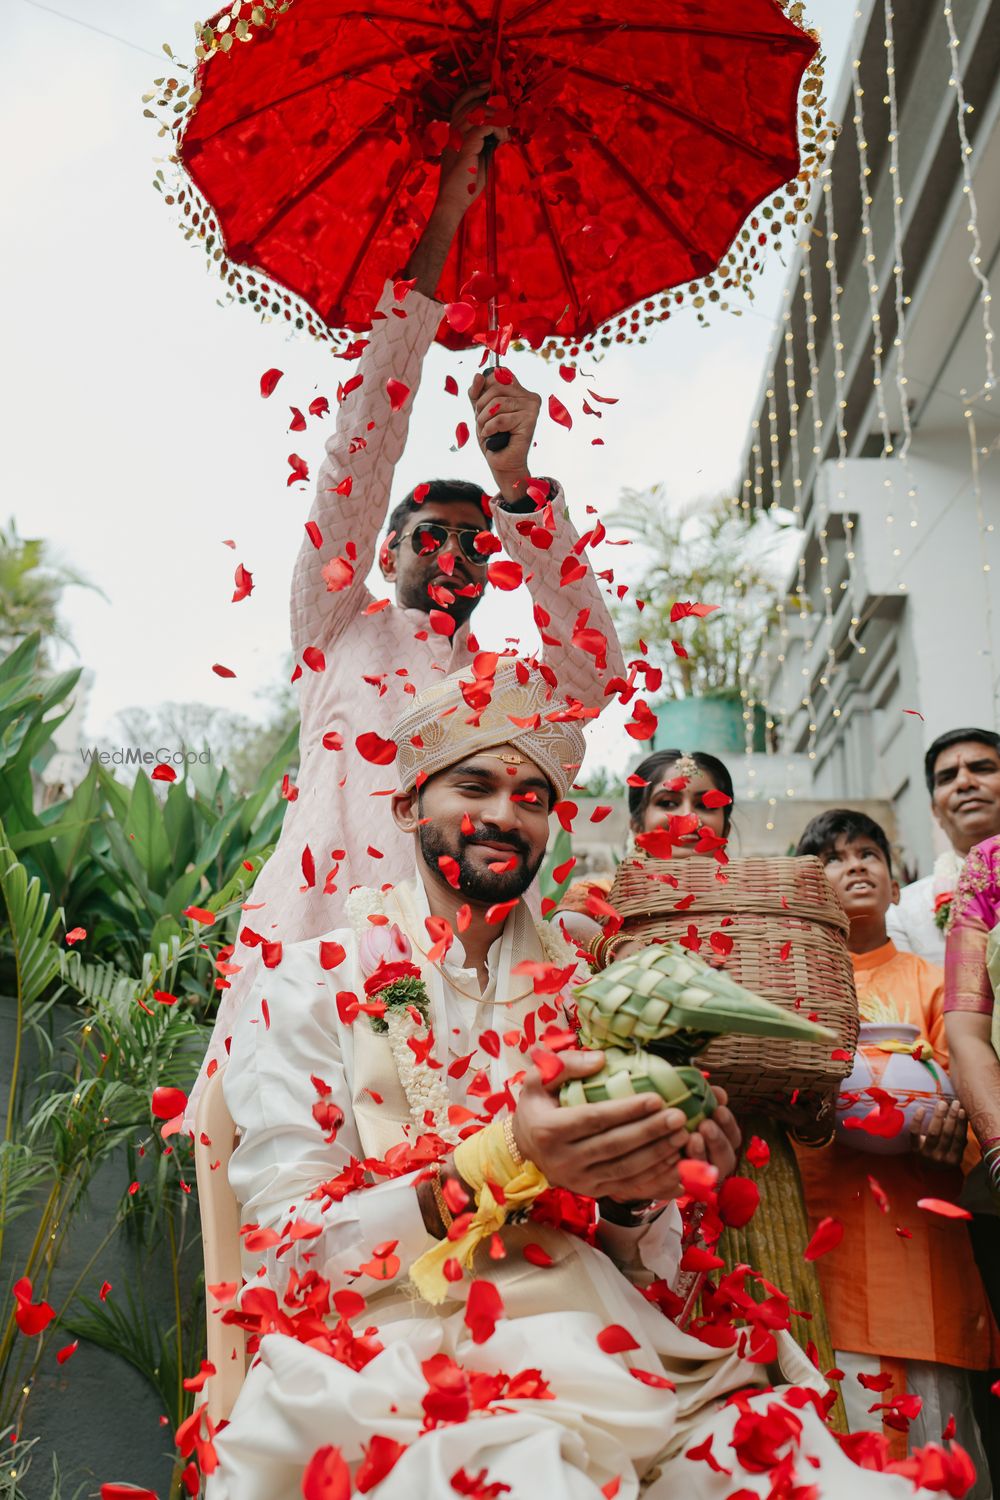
(642, 140)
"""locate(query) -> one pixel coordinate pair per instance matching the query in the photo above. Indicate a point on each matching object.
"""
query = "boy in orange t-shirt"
(905, 1304)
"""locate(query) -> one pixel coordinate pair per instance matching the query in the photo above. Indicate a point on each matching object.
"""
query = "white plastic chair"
(220, 1235)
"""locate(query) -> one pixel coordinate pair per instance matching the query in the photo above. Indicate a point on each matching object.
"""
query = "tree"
(31, 588)
(704, 553)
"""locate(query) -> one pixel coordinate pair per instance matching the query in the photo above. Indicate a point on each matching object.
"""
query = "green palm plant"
(703, 553)
(31, 588)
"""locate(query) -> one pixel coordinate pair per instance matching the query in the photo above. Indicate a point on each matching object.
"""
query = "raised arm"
(579, 640)
(354, 480)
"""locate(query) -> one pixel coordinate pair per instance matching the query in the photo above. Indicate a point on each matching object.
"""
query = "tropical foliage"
(152, 877)
(705, 554)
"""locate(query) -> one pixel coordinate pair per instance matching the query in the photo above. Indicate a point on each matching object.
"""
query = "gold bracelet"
(447, 1217)
(510, 1141)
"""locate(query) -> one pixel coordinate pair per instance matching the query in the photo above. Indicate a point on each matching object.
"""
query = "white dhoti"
(598, 1424)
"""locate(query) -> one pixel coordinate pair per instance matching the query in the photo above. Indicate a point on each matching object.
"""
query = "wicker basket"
(771, 903)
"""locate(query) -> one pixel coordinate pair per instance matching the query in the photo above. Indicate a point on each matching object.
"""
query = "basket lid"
(785, 886)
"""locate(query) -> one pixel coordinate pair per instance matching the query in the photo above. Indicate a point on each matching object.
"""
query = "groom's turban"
(488, 705)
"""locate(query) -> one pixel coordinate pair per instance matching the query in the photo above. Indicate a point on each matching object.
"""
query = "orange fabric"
(886, 1294)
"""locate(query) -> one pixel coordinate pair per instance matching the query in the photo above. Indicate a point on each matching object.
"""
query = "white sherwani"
(602, 1423)
(372, 660)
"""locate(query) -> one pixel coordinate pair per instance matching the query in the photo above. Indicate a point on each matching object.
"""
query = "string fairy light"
(963, 108)
(869, 259)
(840, 401)
(822, 508)
(900, 298)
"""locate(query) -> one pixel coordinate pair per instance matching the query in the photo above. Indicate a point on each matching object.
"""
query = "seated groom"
(359, 657)
(396, 1141)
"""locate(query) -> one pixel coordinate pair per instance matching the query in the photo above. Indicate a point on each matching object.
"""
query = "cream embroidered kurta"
(374, 661)
(602, 1424)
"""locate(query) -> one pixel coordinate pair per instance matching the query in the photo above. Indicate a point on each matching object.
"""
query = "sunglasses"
(428, 537)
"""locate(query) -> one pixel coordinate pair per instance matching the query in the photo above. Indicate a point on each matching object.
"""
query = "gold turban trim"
(469, 712)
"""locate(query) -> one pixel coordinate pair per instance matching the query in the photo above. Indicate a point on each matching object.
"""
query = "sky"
(134, 438)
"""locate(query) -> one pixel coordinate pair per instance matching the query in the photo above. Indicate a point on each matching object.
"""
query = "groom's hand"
(625, 1149)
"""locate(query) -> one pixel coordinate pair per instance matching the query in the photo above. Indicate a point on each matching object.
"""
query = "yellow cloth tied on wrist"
(484, 1162)
(921, 1050)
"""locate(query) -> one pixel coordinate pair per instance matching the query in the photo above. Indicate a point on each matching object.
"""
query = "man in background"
(962, 770)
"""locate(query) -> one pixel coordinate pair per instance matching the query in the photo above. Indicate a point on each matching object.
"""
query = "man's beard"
(415, 595)
(478, 882)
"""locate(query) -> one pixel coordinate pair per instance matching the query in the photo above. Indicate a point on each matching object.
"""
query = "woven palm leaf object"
(637, 1072)
(654, 1010)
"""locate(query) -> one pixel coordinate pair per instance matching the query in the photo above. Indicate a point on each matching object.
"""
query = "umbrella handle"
(498, 442)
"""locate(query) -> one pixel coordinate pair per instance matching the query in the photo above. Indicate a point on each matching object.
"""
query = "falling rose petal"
(397, 393)
(713, 798)
(67, 1352)
(331, 955)
(505, 575)
(199, 914)
(319, 406)
(314, 534)
(384, 1264)
(483, 1310)
(31, 1317)
(450, 869)
(163, 773)
(298, 422)
(559, 414)
(268, 381)
(758, 1153)
(450, 385)
(548, 1065)
(102, 1295)
(299, 468)
(75, 935)
(167, 1102)
(461, 434)
(221, 671)
(314, 659)
(197, 1382)
(879, 1194)
(327, 1476)
(126, 1492)
(944, 1208)
(615, 1339)
(698, 1178)
(739, 1198)
(535, 1255)
(649, 1377)
(338, 574)
(332, 740)
(381, 1457)
(373, 748)
(827, 1236)
(441, 623)
(243, 580)
(460, 316)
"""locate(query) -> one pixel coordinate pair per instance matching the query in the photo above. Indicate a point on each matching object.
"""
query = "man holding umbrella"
(362, 658)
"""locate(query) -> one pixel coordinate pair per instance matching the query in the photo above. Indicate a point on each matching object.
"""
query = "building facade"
(878, 421)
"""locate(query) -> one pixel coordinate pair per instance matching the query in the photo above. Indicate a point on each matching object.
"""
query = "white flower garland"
(424, 1086)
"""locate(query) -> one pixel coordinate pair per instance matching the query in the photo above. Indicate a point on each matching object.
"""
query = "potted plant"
(706, 554)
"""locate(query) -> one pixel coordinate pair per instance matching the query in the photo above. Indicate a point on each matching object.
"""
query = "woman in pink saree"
(972, 1022)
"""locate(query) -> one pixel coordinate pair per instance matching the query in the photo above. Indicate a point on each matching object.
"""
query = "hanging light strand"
(962, 108)
(900, 298)
(821, 503)
(840, 392)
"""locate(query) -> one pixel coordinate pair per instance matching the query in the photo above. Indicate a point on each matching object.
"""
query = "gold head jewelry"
(685, 766)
